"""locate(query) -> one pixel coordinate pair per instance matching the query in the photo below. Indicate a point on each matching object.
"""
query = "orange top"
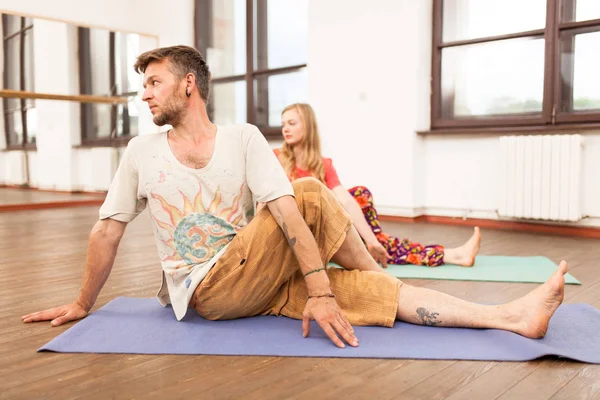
(331, 177)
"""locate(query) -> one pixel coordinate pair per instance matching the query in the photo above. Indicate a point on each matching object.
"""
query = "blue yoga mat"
(142, 326)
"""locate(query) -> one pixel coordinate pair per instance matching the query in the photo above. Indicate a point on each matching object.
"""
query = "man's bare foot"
(465, 254)
(530, 315)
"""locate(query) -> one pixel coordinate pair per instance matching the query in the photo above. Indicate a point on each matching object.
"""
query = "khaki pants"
(259, 274)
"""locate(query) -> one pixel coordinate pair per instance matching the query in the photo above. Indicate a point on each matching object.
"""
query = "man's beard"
(173, 111)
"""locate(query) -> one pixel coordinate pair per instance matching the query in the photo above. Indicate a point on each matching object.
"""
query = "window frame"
(551, 118)
(23, 106)
(203, 39)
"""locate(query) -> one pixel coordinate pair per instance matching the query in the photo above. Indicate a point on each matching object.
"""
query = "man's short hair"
(182, 61)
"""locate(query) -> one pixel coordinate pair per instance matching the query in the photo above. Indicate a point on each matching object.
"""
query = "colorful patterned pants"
(402, 251)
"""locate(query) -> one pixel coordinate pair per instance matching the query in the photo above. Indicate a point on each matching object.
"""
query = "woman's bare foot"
(465, 254)
(530, 315)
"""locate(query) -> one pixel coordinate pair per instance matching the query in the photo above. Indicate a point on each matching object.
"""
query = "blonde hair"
(310, 143)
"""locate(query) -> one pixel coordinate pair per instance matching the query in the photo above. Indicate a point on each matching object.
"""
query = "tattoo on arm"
(291, 241)
(427, 317)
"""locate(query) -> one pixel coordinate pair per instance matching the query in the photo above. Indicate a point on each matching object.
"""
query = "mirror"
(61, 61)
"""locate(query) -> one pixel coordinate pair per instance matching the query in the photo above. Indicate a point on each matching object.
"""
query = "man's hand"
(330, 318)
(58, 315)
(102, 249)
(379, 253)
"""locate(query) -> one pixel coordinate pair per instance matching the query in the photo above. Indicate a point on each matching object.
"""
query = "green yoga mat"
(487, 268)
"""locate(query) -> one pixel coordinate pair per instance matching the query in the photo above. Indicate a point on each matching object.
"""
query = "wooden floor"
(42, 256)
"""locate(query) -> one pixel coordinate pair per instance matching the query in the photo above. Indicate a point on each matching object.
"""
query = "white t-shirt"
(195, 212)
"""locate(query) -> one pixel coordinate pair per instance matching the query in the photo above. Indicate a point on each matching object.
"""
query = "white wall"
(369, 82)
(12, 168)
(369, 68)
(591, 183)
(58, 121)
(57, 164)
(465, 169)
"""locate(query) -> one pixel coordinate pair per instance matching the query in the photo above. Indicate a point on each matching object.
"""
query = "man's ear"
(190, 82)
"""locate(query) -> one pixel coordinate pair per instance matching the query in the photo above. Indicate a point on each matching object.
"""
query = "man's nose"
(146, 95)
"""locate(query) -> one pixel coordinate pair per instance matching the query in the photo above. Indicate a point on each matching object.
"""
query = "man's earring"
(187, 94)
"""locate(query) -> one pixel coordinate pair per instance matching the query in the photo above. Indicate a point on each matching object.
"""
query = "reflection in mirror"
(19, 114)
(105, 68)
(41, 56)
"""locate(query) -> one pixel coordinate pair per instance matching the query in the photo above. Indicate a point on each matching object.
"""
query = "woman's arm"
(364, 230)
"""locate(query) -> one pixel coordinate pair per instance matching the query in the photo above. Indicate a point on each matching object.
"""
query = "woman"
(301, 156)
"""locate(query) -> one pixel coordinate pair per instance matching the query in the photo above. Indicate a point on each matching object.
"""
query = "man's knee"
(308, 184)
(309, 193)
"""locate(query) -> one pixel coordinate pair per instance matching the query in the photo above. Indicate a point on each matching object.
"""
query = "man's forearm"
(301, 242)
(102, 250)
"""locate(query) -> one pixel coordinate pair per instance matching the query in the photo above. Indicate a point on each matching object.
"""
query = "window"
(513, 63)
(19, 114)
(106, 62)
(256, 51)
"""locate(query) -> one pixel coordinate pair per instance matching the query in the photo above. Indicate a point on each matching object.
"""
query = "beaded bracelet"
(323, 295)
(313, 271)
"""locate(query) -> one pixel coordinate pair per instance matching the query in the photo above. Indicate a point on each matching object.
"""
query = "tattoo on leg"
(291, 241)
(427, 317)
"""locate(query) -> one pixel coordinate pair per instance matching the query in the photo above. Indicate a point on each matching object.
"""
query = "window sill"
(271, 132)
(104, 142)
(532, 129)
(29, 147)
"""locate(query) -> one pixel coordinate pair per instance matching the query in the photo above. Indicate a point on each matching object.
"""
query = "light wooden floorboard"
(41, 263)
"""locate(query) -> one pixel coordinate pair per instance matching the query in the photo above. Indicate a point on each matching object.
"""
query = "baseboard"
(405, 212)
(64, 191)
(50, 205)
(392, 214)
(562, 230)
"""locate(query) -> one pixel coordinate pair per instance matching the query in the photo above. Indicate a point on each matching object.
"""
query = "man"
(201, 182)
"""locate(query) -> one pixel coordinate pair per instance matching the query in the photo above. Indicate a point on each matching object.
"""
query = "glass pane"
(580, 63)
(98, 119)
(281, 34)
(275, 92)
(15, 128)
(227, 103)
(226, 54)
(29, 103)
(12, 62)
(28, 64)
(31, 125)
(11, 24)
(579, 10)
(12, 104)
(470, 19)
(487, 79)
(100, 62)
(127, 48)
(128, 118)
(87, 116)
(9, 125)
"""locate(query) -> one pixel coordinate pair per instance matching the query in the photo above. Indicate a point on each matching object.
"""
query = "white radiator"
(541, 177)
